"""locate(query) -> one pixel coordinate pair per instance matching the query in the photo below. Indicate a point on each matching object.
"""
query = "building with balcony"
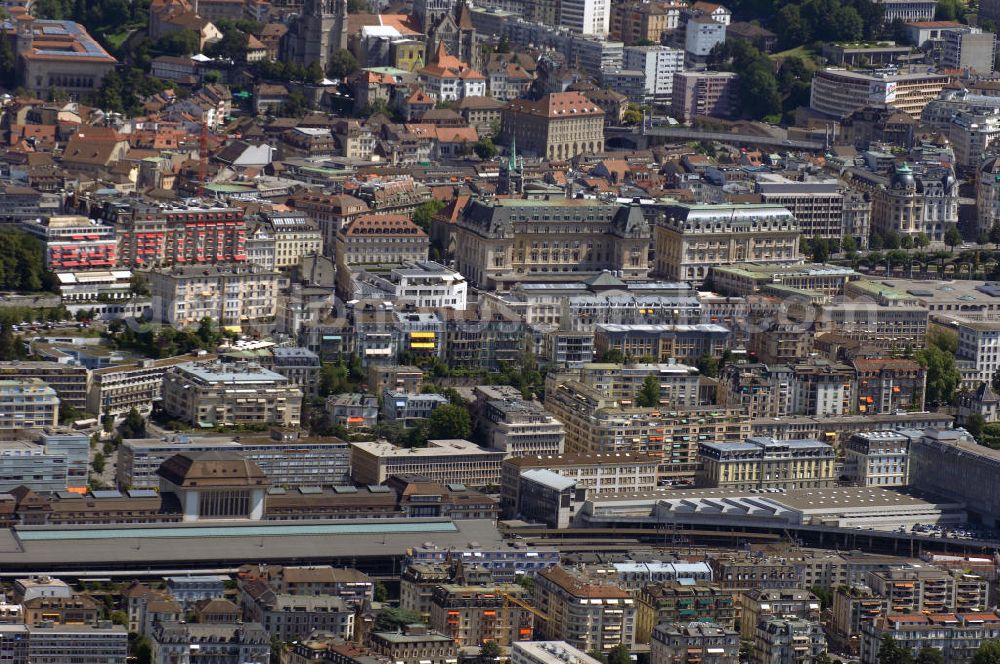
(682, 602)
(585, 613)
(471, 614)
(27, 404)
(762, 463)
(694, 643)
(75, 243)
(231, 294)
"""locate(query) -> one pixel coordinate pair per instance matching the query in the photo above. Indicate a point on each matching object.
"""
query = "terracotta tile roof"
(582, 588)
(558, 105)
(392, 225)
(448, 66)
(456, 134)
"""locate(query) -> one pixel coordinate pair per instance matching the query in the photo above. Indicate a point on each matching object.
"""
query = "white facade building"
(658, 64)
(588, 17)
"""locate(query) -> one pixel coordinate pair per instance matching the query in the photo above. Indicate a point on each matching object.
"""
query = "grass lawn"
(806, 53)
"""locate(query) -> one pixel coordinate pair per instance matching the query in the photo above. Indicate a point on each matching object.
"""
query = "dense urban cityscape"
(499, 332)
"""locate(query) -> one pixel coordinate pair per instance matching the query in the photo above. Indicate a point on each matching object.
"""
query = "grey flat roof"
(222, 544)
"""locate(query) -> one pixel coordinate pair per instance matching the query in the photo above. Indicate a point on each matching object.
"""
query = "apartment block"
(230, 294)
(70, 381)
(788, 641)
(117, 389)
(684, 343)
(75, 243)
(517, 426)
(677, 602)
(688, 642)
(957, 636)
(878, 458)
(548, 652)
(472, 614)
(229, 394)
(924, 589)
(587, 614)
(764, 604)
(27, 404)
(703, 93)
(678, 383)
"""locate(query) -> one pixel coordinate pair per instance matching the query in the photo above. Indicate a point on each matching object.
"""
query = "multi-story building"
(444, 461)
(353, 410)
(28, 404)
(658, 65)
(678, 383)
(978, 353)
(59, 54)
(593, 473)
(505, 563)
(956, 636)
(287, 458)
(415, 644)
(474, 614)
(230, 294)
(640, 22)
(821, 388)
(596, 424)
(587, 17)
(915, 203)
(587, 614)
(331, 211)
(701, 34)
(676, 602)
(409, 408)
(75, 448)
(886, 385)
(28, 465)
(76, 610)
(686, 642)
(708, 93)
(817, 205)
(685, 343)
(923, 589)
(286, 617)
(892, 329)
(420, 284)
(447, 78)
(381, 238)
(764, 604)
(968, 50)
(299, 365)
(560, 125)
(70, 381)
(503, 241)
(762, 463)
(116, 390)
(517, 426)
(788, 641)
(878, 458)
(243, 643)
(908, 10)
(692, 238)
(230, 394)
(75, 243)
(749, 571)
(191, 233)
(971, 132)
(294, 235)
(547, 652)
(759, 390)
(840, 92)
(988, 194)
(750, 278)
(852, 607)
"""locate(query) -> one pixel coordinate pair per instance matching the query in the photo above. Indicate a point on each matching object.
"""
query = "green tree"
(143, 651)
(921, 240)
(139, 284)
(948, 10)
(952, 237)
(484, 148)
(133, 426)
(824, 594)
(929, 655)
(314, 72)
(708, 366)
(619, 655)
(820, 249)
(449, 421)
(943, 376)
(649, 394)
(975, 424)
(490, 651)
(342, 64)
(988, 653)
(425, 212)
(182, 42)
(98, 463)
(381, 593)
(392, 620)
(613, 356)
(890, 652)
(849, 245)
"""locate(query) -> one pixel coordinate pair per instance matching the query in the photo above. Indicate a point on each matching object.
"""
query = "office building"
(422, 284)
(501, 242)
(69, 381)
(75, 448)
(968, 50)
(587, 614)
(686, 642)
(587, 17)
(230, 394)
(705, 93)
(444, 461)
(560, 125)
(763, 463)
(657, 64)
(971, 132)
(950, 463)
(27, 404)
(840, 92)
(817, 205)
(978, 354)
(641, 22)
(684, 343)
(229, 294)
(701, 35)
(381, 238)
(26, 464)
(678, 383)
(878, 458)
(692, 238)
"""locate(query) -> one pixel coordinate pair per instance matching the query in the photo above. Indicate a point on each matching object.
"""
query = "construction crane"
(203, 157)
(505, 625)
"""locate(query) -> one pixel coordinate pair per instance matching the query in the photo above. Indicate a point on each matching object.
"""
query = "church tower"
(429, 12)
(318, 33)
(511, 180)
